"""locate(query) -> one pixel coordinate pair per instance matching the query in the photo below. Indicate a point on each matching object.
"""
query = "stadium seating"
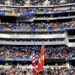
(24, 23)
(16, 70)
(36, 2)
(36, 10)
(52, 52)
(48, 26)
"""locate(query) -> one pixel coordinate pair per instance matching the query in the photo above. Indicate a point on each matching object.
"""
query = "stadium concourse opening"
(8, 19)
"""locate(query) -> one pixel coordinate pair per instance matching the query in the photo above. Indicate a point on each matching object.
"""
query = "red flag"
(42, 54)
(41, 59)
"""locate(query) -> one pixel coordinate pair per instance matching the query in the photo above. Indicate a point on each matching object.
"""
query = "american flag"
(34, 61)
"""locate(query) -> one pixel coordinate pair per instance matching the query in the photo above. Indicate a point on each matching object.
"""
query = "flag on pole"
(41, 59)
(42, 53)
(34, 61)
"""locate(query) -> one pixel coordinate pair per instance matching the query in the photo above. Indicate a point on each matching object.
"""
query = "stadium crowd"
(53, 52)
(16, 70)
(61, 71)
(36, 2)
(37, 10)
(33, 25)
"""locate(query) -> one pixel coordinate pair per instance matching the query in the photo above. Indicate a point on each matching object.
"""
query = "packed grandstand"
(25, 24)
